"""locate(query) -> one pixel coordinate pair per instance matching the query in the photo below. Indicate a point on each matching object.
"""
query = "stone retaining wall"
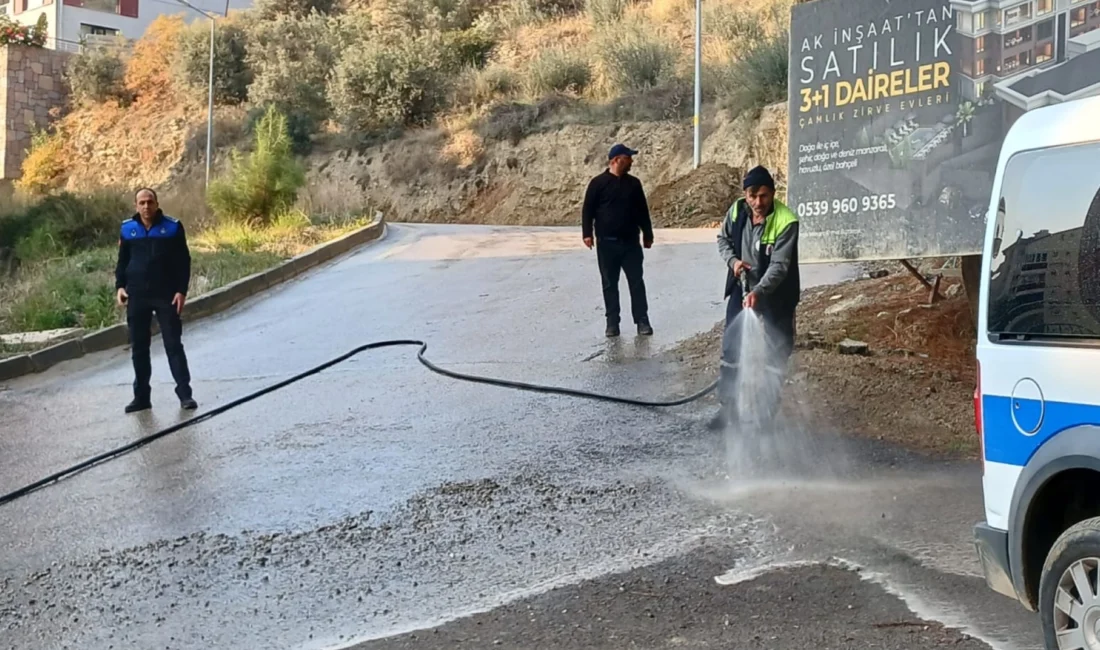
(32, 82)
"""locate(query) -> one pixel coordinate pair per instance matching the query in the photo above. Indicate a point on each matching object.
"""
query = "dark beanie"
(758, 176)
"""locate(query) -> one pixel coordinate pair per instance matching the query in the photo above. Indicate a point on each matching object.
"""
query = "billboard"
(897, 113)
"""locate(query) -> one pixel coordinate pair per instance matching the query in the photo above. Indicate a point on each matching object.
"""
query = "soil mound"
(698, 199)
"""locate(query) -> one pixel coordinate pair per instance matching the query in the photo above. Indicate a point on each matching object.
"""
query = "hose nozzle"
(744, 278)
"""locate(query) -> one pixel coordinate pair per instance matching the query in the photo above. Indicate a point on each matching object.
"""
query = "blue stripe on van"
(1003, 441)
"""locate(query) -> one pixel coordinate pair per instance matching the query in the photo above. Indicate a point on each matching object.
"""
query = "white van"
(1037, 402)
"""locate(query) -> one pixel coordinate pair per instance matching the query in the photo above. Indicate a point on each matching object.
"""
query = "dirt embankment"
(913, 387)
(435, 176)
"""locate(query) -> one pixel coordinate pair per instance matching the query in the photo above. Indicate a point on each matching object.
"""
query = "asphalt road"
(377, 498)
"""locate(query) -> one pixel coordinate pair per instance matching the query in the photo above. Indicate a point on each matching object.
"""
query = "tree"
(263, 183)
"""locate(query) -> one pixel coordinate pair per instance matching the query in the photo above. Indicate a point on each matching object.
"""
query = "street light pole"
(698, 78)
(210, 84)
(210, 108)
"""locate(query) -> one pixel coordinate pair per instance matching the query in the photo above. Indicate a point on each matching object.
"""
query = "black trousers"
(614, 256)
(139, 318)
(765, 369)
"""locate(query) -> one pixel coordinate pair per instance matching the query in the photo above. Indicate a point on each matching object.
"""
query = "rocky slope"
(540, 179)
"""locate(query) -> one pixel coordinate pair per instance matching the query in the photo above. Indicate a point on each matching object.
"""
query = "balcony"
(1017, 15)
(1017, 38)
(1016, 63)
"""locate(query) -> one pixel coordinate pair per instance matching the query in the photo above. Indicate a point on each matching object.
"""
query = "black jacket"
(153, 263)
(615, 208)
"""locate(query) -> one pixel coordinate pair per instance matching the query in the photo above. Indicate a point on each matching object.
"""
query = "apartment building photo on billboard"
(1028, 54)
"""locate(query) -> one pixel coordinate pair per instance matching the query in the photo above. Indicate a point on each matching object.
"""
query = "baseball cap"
(620, 150)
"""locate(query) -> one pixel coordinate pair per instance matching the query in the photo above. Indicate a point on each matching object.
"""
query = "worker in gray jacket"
(759, 245)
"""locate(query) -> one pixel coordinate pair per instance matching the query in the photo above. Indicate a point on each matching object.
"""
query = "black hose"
(141, 442)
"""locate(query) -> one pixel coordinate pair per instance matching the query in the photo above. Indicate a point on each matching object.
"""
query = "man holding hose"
(759, 244)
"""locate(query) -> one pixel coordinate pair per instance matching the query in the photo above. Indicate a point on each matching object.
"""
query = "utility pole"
(698, 78)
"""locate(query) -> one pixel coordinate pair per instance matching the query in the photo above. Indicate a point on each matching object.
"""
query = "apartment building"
(1002, 39)
(72, 22)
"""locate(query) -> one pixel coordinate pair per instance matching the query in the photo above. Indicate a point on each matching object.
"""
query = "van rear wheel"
(1069, 589)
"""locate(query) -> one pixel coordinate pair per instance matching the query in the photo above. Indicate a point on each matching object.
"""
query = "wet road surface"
(377, 498)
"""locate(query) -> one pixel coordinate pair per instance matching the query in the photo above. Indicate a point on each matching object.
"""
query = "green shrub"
(63, 224)
(605, 12)
(263, 183)
(291, 58)
(757, 79)
(231, 73)
(470, 47)
(75, 292)
(480, 87)
(377, 86)
(96, 75)
(558, 71)
(635, 58)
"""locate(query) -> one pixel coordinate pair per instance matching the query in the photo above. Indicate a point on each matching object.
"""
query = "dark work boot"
(612, 331)
(719, 421)
(139, 404)
(188, 404)
(645, 329)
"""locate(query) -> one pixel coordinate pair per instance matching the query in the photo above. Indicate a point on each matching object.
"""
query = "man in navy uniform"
(152, 277)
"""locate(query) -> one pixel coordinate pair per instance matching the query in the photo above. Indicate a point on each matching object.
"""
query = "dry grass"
(530, 41)
(334, 200)
(464, 146)
(288, 235)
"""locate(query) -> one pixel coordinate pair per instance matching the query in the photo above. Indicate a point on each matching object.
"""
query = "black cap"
(759, 177)
(620, 150)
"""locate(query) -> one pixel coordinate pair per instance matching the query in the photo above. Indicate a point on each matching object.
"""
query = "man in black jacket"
(615, 211)
(152, 277)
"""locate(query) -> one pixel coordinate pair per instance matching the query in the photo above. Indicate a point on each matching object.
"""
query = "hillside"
(490, 111)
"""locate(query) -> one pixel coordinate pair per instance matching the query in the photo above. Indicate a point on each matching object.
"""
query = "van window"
(1045, 267)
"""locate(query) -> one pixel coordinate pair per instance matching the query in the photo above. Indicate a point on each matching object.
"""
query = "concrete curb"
(16, 366)
(201, 307)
